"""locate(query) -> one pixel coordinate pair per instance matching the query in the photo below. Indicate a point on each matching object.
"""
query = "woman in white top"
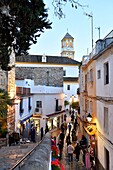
(70, 150)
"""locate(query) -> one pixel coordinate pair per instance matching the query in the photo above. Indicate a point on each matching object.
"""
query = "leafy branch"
(59, 4)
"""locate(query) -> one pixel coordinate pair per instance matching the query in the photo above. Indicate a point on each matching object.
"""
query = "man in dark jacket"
(61, 137)
(68, 139)
(77, 151)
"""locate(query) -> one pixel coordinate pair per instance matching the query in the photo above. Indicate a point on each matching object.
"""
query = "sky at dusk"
(78, 26)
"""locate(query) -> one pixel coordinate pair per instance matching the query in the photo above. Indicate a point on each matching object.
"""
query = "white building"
(41, 104)
(102, 57)
(52, 80)
(104, 94)
(41, 90)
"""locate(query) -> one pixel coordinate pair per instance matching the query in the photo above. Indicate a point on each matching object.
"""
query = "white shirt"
(70, 149)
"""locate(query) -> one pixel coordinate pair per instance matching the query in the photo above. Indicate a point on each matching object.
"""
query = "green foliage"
(20, 26)
(75, 105)
(4, 102)
(3, 133)
(66, 103)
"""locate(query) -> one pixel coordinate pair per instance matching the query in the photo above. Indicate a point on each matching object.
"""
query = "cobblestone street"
(73, 165)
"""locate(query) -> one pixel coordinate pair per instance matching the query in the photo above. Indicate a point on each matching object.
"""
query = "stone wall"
(40, 159)
(49, 76)
(3, 80)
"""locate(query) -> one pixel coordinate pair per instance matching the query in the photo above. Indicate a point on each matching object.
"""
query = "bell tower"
(67, 46)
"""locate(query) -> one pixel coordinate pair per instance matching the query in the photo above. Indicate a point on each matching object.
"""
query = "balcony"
(38, 110)
(59, 108)
(22, 91)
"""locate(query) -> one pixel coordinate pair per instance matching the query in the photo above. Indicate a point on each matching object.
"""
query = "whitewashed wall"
(101, 89)
(72, 91)
(105, 140)
(71, 71)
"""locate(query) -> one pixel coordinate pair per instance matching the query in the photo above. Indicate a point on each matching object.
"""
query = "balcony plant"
(55, 163)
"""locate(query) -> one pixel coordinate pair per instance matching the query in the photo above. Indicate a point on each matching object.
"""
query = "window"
(98, 74)
(91, 75)
(39, 104)
(106, 128)
(64, 72)
(91, 107)
(2, 81)
(106, 159)
(21, 107)
(86, 82)
(86, 105)
(68, 87)
(29, 103)
(106, 73)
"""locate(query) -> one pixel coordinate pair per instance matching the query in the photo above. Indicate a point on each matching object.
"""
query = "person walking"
(70, 150)
(72, 117)
(75, 124)
(87, 160)
(81, 156)
(69, 127)
(68, 140)
(77, 151)
(62, 127)
(60, 146)
(61, 137)
(41, 132)
(33, 134)
(74, 137)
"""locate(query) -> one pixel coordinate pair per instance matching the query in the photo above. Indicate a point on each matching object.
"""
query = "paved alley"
(74, 165)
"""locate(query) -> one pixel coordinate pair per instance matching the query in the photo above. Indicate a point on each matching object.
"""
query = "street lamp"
(91, 16)
(89, 117)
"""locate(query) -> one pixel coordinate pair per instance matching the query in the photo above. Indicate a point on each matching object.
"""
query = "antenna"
(98, 31)
(91, 17)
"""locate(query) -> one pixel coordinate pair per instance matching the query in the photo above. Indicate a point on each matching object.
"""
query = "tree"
(66, 103)
(75, 105)
(4, 102)
(21, 22)
(59, 4)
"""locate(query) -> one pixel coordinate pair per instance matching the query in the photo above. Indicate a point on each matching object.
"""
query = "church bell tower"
(67, 46)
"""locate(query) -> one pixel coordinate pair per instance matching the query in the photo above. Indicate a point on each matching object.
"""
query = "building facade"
(104, 94)
(43, 102)
(99, 62)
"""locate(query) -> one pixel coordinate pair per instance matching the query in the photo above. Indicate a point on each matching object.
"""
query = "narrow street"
(10, 155)
(74, 165)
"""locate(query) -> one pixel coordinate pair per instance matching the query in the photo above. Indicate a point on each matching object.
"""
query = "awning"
(90, 129)
(24, 119)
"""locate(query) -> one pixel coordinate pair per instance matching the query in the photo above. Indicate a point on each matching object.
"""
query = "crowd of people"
(78, 149)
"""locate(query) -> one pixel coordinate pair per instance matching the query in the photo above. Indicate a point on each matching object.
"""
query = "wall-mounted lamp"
(89, 119)
(89, 126)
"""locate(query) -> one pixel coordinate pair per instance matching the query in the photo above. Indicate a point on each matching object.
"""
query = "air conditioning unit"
(38, 110)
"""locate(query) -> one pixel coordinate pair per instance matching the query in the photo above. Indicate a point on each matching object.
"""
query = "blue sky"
(79, 27)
